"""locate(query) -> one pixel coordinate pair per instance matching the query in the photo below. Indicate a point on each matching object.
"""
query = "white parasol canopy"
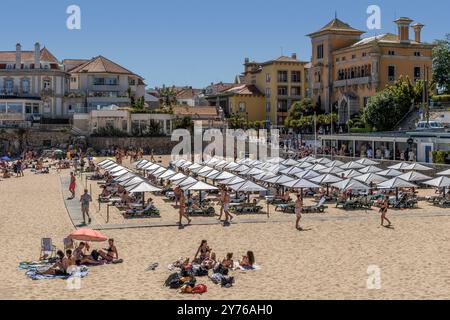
(390, 173)
(201, 186)
(308, 174)
(301, 184)
(120, 173)
(417, 167)
(211, 175)
(141, 163)
(221, 164)
(370, 169)
(414, 176)
(168, 174)
(290, 162)
(144, 187)
(334, 170)
(231, 166)
(185, 182)
(279, 180)
(367, 162)
(225, 176)
(115, 169)
(371, 178)
(133, 182)
(444, 173)
(126, 177)
(400, 166)
(231, 181)
(352, 165)
(335, 163)
(323, 161)
(326, 179)
(291, 171)
(350, 174)
(442, 182)
(396, 183)
(350, 184)
(247, 186)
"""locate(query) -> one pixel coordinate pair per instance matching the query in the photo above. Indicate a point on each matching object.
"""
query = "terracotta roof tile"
(101, 65)
(195, 111)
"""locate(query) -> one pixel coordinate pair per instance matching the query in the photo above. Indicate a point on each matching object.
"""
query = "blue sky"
(195, 42)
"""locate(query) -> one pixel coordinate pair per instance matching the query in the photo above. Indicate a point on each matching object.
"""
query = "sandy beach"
(329, 261)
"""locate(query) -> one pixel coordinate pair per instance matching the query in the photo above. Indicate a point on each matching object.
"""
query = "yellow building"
(266, 90)
(346, 69)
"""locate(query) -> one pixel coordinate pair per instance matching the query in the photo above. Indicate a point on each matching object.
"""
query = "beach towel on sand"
(34, 265)
(82, 272)
(238, 267)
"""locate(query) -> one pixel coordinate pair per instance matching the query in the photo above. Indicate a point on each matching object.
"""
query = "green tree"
(184, 123)
(235, 121)
(441, 64)
(168, 97)
(381, 111)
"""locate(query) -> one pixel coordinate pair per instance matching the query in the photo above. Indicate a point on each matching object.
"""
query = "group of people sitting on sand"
(80, 256)
(206, 258)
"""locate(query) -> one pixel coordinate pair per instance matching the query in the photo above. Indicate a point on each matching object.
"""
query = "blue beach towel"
(81, 273)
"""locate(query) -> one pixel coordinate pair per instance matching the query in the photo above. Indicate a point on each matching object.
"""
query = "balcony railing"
(352, 82)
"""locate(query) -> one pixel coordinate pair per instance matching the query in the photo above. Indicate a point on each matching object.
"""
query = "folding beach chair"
(68, 244)
(47, 248)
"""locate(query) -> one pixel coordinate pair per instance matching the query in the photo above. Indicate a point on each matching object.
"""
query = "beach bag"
(200, 271)
(227, 282)
(199, 289)
(173, 281)
(217, 278)
(186, 289)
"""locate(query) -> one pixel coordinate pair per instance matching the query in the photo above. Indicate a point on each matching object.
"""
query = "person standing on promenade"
(72, 185)
(226, 207)
(85, 200)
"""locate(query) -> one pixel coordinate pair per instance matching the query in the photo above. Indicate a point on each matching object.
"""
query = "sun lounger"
(247, 208)
(286, 208)
(318, 208)
(149, 212)
(203, 212)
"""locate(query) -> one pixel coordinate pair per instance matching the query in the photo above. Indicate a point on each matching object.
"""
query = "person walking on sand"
(183, 209)
(85, 200)
(72, 185)
(226, 207)
(222, 202)
(383, 211)
(298, 212)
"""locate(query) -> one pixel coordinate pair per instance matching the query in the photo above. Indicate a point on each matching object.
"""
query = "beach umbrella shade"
(178, 176)
(144, 187)
(305, 165)
(326, 179)
(332, 170)
(317, 167)
(185, 182)
(264, 175)
(212, 174)
(350, 184)
(125, 177)
(352, 165)
(389, 173)
(370, 178)
(444, 173)
(323, 161)
(367, 162)
(204, 170)
(179, 162)
(116, 169)
(186, 164)
(168, 174)
(231, 181)
(396, 183)
(290, 162)
(275, 160)
(370, 169)
(104, 162)
(350, 174)
(150, 166)
(414, 176)
(279, 180)
(212, 162)
(110, 166)
(225, 176)
(88, 235)
(120, 173)
(254, 172)
(141, 163)
(441, 182)
(231, 166)
(335, 163)
(308, 174)
(201, 186)
(158, 172)
(241, 168)
(221, 164)
(291, 171)
(400, 166)
(301, 184)
(247, 186)
(417, 167)
(133, 182)
(195, 166)
(308, 159)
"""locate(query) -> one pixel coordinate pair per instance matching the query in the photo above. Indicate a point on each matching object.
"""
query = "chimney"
(294, 56)
(37, 56)
(403, 29)
(247, 60)
(417, 32)
(18, 56)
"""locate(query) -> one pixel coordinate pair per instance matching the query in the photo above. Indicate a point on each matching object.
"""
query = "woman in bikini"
(111, 253)
(248, 260)
(202, 252)
(228, 261)
(383, 211)
(72, 185)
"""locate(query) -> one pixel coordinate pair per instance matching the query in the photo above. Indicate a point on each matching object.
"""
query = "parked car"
(432, 124)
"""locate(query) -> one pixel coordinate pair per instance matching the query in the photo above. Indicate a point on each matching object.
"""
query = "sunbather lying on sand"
(248, 260)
